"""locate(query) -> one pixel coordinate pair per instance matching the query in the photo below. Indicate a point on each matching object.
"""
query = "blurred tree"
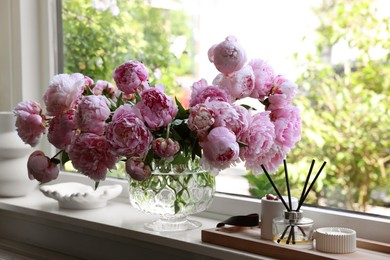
(98, 39)
(345, 105)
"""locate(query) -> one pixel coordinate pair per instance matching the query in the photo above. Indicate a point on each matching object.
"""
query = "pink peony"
(103, 87)
(165, 148)
(282, 93)
(131, 77)
(228, 115)
(202, 92)
(264, 76)
(30, 123)
(63, 93)
(88, 81)
(137, 169)
(92, 155)
(200, 120)
(220, 150)
(41, 168)
(238, 85)
(62, 130)
(227, 56)
(91, 114)
(127, 133)
(271, 160)
(259, 138)
(287, 123)
(157, 108)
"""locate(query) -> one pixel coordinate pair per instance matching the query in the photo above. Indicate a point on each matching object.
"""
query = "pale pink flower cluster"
(265, 137)
(97, 124)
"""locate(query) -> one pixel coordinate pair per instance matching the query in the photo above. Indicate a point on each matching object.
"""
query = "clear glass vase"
(173, 193)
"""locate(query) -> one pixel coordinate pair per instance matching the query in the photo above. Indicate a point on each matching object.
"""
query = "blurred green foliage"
(96, 42)
(345, 109)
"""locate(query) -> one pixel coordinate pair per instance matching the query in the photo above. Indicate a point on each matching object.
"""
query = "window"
(340, 77)
(306, 41)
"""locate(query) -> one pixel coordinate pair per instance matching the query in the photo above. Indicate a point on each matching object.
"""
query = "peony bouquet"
(96, 125)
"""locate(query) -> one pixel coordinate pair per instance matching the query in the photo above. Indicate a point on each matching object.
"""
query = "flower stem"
(57, 154)
(168, 131)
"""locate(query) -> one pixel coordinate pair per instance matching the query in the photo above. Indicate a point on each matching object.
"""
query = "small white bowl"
(73, 195)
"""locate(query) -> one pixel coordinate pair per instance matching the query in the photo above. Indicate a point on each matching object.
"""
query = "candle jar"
(293, 229)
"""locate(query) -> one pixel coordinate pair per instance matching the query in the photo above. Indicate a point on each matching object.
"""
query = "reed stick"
(300, 202)
(288, 185)
(311, 185)
(273, 185)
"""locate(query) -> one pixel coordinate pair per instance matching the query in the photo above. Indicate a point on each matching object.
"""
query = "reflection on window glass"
(336, 51)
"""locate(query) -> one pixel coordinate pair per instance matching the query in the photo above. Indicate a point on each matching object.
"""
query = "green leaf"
(137, 97)
(248, 107)
(64, 157)
(180, 159)
(176, 135)
(265, 102)
(149, 157)
(182, 113)
(120, 102)
(241, 144)
(177, 122)
(196, 150)
(97, 184)
(55, 160)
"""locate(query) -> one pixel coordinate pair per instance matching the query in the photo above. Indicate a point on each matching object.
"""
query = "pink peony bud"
(30, 123)
(165, 148)
(131, 77)
(227, 56)
(137, 170)
(220, 150)
(41, 168)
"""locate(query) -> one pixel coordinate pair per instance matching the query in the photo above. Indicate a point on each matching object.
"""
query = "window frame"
(42, 22)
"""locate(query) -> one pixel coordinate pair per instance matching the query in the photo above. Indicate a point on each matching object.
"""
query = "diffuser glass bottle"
(293, 229)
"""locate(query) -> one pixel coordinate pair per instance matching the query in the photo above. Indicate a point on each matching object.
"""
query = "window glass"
(336, 51)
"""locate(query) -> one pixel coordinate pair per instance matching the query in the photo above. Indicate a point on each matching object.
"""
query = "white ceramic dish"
(73, 195)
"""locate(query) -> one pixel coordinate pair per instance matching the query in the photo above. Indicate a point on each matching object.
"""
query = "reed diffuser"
(292, 228)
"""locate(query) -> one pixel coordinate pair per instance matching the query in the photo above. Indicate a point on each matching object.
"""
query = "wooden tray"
(248, 240)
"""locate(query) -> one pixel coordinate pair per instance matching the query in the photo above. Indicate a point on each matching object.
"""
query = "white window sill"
(116, 231)
(36, 223)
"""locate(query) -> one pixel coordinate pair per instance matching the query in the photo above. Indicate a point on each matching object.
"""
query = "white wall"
(27, 50)
(28, 60)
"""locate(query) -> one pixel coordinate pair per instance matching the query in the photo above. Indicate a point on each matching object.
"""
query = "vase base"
(172, 225)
